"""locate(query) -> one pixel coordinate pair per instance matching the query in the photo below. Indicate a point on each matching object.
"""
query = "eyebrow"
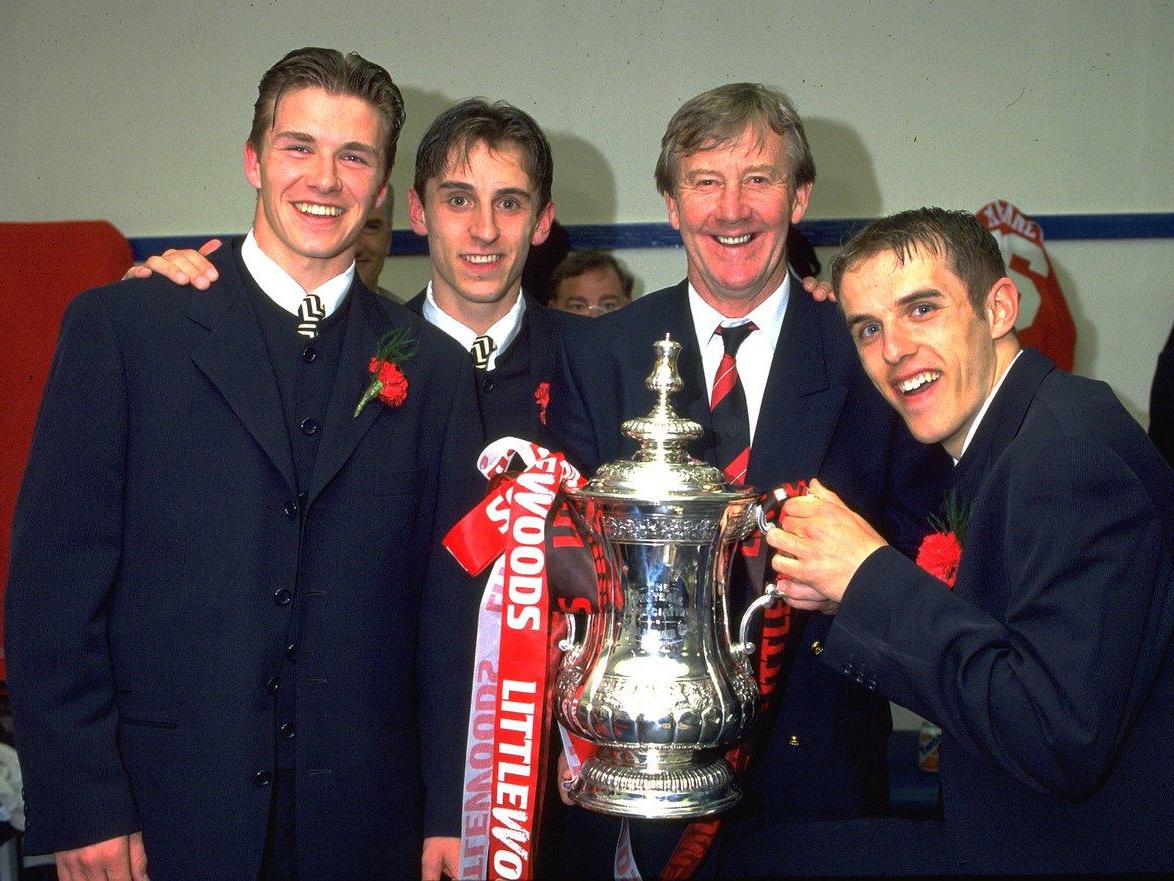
(902, 301)
(766, 166)
(464, 187)
(305, 138)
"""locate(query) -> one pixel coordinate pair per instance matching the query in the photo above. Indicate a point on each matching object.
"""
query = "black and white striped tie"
(481, 349)
(310, 312)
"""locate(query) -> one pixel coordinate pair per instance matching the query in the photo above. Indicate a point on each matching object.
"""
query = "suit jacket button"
(283, 597)
(794, 741)
(817, 648)
(287, 730)
(273, 684)
(309, 354)
(846, 669)
(309, 426)
(487, 384)
(291, 509)
(262, 779)
(291, 650)
(859, 678)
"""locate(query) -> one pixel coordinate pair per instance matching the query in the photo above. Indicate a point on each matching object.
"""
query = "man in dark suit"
(1049, 665)
(482, 197)
(232, 634)
(736, 171)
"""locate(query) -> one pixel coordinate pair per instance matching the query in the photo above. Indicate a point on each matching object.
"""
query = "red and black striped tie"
(727, 404)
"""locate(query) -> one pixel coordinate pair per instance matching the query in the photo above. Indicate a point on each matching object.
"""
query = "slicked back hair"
(968, 248)
(578, 263)
(458, 130)
(720, 116)
(336, 74)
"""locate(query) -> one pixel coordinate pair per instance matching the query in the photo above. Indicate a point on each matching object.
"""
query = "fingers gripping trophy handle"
(765, 515)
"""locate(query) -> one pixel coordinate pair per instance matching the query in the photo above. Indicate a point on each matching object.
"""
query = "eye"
(510, 204)
(867, 330)
(458, 201)
(920, 310)
(355, 159)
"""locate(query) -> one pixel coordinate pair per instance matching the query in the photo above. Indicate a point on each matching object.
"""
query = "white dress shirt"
(280, 287)
(985, 406)
(754, 355)
(502, 332)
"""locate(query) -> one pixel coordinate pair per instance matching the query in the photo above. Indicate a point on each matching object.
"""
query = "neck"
(308, 272)
(475, 316)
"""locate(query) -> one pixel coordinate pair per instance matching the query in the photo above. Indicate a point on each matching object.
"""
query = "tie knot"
(481, 349)
(734, 335)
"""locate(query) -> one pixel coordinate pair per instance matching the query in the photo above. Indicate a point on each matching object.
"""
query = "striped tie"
(481, 349)
(727, 403)
(310, 312)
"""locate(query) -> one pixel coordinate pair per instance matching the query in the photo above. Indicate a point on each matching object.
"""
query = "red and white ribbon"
(510, 704)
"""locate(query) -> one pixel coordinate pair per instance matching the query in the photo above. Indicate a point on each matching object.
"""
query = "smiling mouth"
(316, 210)
(481, 259)
(916, 383)
(734, 240)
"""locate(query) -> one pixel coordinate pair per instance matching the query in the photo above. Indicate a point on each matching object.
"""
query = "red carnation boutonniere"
(387, 382)
(542, 399)
(941, 551)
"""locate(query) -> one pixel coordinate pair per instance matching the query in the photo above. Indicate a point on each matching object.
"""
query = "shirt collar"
(280, 287)
(503, 331)
(985, 406)
(767, 315)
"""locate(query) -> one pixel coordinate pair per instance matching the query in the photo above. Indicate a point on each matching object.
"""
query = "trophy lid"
(662, 468)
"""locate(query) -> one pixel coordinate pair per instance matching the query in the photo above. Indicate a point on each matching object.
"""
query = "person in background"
(374, 245)
(590, 283)
(233, 637)
(1162, 402)
(1038, 631)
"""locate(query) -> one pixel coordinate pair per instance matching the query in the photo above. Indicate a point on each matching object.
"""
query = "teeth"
(915, 382)
(318, 210)
(734, 240)
(482, 258)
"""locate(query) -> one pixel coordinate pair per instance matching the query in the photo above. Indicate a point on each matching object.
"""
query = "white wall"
(136, 111)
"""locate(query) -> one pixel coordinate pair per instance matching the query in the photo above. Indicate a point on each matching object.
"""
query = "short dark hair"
(958, 236)
(337, 74)
(577, 263)
(474, 121)
(720, 115)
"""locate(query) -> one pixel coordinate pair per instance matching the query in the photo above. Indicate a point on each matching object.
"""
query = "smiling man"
(1049, 665)
(772, 378)
(233, 637)
(482, 197)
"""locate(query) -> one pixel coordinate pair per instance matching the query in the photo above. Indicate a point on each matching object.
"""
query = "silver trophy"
(655, 680)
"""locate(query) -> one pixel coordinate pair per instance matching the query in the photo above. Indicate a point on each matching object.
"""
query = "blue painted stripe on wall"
(620, 236)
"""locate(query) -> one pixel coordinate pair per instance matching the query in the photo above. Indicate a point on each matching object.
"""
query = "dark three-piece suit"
(821, 754)
(179, 565)
(509, 394)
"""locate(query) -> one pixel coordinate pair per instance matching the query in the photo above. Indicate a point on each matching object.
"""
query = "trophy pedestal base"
(626, 784)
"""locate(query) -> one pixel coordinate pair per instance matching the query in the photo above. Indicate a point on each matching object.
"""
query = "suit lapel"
(343, 430)
(1001, 422)
(235, 360)
(801, 406)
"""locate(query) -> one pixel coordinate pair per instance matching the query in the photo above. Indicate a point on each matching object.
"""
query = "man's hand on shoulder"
(441, 859)
(182, 267)
(820, 291)
(117, 859)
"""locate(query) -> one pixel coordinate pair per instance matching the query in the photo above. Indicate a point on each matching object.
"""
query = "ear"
(416, 216)
(799, 205)
(382, 197)
(252, 167)
(542, 227)
(670, 203)
(1002, 307)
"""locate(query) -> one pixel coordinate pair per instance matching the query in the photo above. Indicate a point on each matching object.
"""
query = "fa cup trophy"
(655, 680)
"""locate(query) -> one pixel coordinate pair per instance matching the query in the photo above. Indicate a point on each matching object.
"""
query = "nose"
(324, 176)
(898, 344)
(731, 205)
(484, 223)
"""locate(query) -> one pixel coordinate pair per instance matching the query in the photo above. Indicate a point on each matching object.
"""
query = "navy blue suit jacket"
(543, 330)
(822, 754)
(1049, 667)
(157, 521)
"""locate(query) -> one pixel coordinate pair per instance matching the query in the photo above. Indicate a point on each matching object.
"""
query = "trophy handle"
(745, 646)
